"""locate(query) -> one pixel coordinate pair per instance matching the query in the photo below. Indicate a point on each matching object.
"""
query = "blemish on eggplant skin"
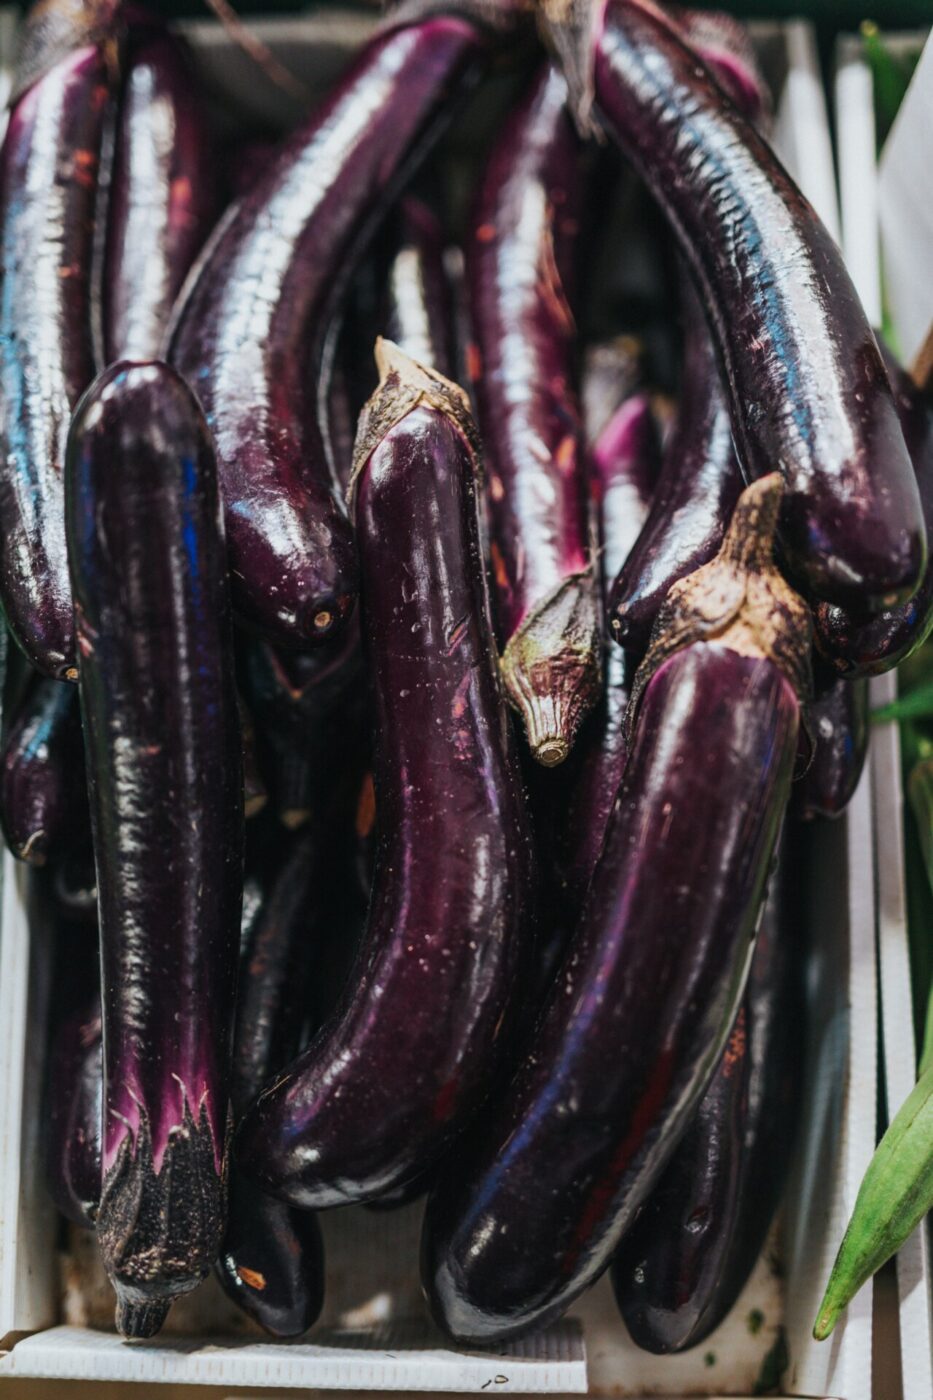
(755, 1321)
(251, 1277)
(709, 1359)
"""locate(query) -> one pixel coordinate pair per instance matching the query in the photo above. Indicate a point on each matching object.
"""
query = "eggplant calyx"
(141, 1318)
(568, 27)
(54, 29)
(738, 600)
(499, 16)
(551, 667)
(405, 385)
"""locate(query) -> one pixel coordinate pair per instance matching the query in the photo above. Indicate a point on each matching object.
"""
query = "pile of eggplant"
(431, 759)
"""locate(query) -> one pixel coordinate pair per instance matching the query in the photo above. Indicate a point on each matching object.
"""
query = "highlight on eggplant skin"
(834, 749)
(163, 196)
(49, 168)
(145, 540)
(808, 387)
(519, 267)
(43, 789)
(679, 1270)
(856, 646)
(419, 315)
(530, 1209)
(452, 876)
(251, 331)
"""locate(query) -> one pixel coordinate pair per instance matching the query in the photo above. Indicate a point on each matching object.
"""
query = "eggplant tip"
(138, 1319)
(551, 751)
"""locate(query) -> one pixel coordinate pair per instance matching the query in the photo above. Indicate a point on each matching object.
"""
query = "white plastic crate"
(374, 1333)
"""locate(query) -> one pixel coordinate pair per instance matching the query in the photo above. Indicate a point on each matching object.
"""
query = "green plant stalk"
(895, 1195)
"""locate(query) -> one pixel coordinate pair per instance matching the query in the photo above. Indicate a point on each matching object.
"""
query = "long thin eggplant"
(49, 168)
(252, 332)
(519, 265)
(682, 1266)
(434, 983)
(75, 1096)
(43, 789)
(834, 749)
(852, 645)
(696, 492)
(272, 1260)
(163, 196)
(164, 758)
(531, 1208)
(419, 316)
(808, 390)
(624, 462)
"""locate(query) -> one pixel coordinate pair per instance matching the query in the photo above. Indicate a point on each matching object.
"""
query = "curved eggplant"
(839, 726)
(252, 332)
(529, 1210)
(612, 372)
(434, 982)
(519, 265)
(272, 1259)
(624, 463)
(48, 191)
(808, 390)
(419, 315)
(695, 496)
(163, 196)
(43, 788)
(854, 646)
(75, 1109)
(682, 1266)
(165, 778)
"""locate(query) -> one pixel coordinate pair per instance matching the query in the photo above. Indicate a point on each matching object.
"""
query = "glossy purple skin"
(419, 315)
(163, 196)
(852, 645)
(808, 389)
(519, 275)
(682, 1266)
(624, 462)
(834, 753)
(251, 334)
(43, 789)
(75, 1106)
(48, 188)
(272, 1259)
(429, 997)
(528, 1212)
(164, 757)
(697, 489)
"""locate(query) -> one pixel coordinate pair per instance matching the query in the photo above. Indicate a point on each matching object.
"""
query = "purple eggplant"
(624, 463)
(529, 1210)
(43, 790)
(808, 390)
(272, 1259)
(74, 882)
(434, 982)
(696, 492)
(49, 168)
(856, 646)
(163, 197)
(252, 333)
(519, 267)
(165, 778)
(684, 1263)
(834, 749)
(419, 316)
(75, 1107)
(613, 371)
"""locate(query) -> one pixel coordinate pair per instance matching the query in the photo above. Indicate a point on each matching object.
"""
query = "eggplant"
(252, 332)
(624, 462)
(839, 727)
(530, 1209)
(163, 197)
(272, 1260)
(680, 1269)
(74, 882)
(613, 370)
(75, 1095)
(49, 169)
(435, 979)
(807, 386)
(165, 779)
(419, 315)
(857, 646)
(696, 492)
(519, 271)
(43, 789)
